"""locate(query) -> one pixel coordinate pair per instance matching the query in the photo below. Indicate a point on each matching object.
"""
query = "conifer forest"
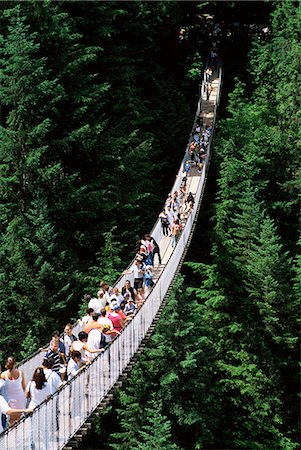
(97, 103)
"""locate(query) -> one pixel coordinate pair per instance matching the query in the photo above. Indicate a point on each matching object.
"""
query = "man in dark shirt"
(53, 353)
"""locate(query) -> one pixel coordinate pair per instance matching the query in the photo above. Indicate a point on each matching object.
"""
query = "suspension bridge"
(62, 420)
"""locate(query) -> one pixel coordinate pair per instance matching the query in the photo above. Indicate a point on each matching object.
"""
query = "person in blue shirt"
(187, 167)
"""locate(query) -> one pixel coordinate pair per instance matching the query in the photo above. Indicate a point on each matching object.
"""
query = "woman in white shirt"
(138, 269)
(38, 388)
(73, 364)
(53, 379)
(14, 387)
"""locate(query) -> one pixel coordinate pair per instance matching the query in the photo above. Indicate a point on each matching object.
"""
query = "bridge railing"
(56, 420)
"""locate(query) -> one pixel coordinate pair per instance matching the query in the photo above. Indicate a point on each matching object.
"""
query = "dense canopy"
(97, 100)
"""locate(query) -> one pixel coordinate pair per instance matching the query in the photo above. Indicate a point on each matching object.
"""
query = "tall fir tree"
(34, 269)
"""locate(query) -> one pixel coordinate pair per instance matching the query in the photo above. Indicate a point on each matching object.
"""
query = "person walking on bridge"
(138, 268)
(37, 389)
(52, 377)
(73, 364)
(68, 338)
(93, 325)
(175, 232)
(116, 319)
(14, 388)
(164, 222)
(156, 250)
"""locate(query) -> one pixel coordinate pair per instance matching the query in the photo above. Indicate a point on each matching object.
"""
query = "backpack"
(148, 260)
(148, 278)
(3, 421)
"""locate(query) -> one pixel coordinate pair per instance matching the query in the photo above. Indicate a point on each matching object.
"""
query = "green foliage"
(130, 421)
(157, 432)
(297, 274)
(89, 97)
(195, 70)
(29, 345)
(35, 268)
(109, 263)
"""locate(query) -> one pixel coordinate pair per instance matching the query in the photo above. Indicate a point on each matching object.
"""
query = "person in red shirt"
(116, 318)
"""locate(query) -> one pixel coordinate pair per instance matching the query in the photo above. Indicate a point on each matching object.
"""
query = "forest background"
(96, 104)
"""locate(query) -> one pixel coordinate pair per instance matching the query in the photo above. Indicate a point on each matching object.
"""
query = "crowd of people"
(108, 312)
(198, 146)
(179, 204)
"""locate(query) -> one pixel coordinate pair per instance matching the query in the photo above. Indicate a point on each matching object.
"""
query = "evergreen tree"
(267, 285)
(29, 95)
(156, 433)
(275, 64)
(33, 269)
(130, 421)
